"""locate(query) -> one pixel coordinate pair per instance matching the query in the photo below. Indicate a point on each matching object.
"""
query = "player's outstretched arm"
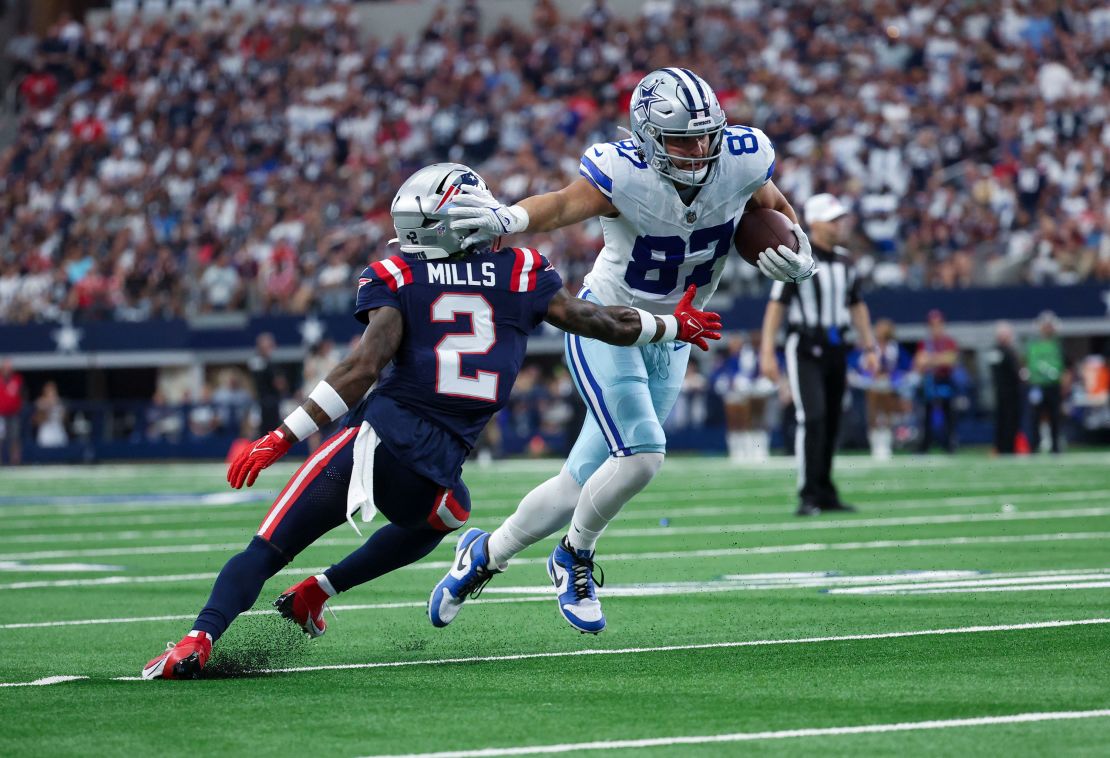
(332, 397)
(622, 325)
(477, 210)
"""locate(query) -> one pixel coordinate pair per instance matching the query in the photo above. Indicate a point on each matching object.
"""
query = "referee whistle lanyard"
(360, 492)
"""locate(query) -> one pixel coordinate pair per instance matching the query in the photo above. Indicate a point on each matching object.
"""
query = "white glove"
(784, 265)
(476, 208)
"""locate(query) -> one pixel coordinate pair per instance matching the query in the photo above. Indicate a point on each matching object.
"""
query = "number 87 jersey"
(658, 246)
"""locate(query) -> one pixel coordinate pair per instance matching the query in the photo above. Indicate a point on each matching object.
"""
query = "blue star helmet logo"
(649, 98)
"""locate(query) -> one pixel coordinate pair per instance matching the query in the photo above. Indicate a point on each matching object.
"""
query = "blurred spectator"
(39, 88)
(270, 386)
(203, 416)
(11, 407)
(886, 400)
(1045, 362)
(972, 145)
(1006, 377)
(50, 418)
(321, 359)
(744, 393)
(936, 363)
(163, 421)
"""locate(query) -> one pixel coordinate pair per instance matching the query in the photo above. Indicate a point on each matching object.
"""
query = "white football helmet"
(674, 102)
(420, 206)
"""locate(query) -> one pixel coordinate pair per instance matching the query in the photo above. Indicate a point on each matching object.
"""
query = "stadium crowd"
(219, 162)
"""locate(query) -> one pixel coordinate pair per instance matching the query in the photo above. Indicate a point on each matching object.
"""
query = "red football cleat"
(303, 604)
(183, 660)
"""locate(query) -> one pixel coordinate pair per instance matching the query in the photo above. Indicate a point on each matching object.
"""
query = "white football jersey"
(658, 246)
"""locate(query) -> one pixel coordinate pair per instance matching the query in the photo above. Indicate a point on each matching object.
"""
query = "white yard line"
(633, 513)
(727, 552)
(1030, 587)
(1089, 579)
(679, 648)
(44, 681)
(707, 739)
(862, 523)
(1057, 624)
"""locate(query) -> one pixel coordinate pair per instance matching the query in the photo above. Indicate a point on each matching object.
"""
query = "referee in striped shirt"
(819, 314)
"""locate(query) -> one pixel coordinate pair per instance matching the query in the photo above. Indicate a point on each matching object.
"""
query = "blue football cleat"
(572, 571)
(467, 577)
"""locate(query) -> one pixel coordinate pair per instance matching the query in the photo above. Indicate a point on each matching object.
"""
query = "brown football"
(760, 229)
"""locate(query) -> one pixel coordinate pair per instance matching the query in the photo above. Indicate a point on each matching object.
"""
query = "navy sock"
(238, 585)
(388, 549)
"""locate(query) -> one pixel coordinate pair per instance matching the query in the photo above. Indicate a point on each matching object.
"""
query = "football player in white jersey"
(669, 200)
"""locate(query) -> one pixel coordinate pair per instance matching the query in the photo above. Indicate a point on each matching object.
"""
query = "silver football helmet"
(674, 102)
(420, 206)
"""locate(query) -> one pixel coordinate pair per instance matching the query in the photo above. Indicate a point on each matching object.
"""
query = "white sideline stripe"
(665, 532)
(833, 731)
(44, 681)
(726, 552)
(678, 648)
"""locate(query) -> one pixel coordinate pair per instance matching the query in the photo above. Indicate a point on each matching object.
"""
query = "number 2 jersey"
(466, 327)
(658, 246)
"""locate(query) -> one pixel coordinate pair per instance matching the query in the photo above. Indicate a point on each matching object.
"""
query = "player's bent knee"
(449, 512)
(640, 468)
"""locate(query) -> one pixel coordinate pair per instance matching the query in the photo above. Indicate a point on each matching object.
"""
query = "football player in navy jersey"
(454, 321)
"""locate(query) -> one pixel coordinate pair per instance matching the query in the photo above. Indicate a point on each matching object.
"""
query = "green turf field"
(969, 594)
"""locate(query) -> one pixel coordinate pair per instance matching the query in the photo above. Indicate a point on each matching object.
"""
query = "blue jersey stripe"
(770, 170)
(596, 175)
(605, 418)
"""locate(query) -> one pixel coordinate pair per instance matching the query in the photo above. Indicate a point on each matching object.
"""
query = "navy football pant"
(313, 503)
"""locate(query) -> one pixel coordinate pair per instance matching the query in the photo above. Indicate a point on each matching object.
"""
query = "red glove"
(696, 326)
(261, 454)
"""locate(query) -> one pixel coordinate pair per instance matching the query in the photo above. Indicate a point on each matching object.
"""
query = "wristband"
(670, 328)
(648, 328)
(521, 217)
(325, 396)
(300, 424)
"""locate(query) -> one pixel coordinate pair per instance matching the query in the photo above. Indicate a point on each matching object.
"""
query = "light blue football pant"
(629, 392)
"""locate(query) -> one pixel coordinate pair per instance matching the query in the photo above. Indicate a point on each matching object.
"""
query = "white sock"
(880, 440)
(543, 511)
(761, 445)
(325, 585)
(735, 445)
(617, 481)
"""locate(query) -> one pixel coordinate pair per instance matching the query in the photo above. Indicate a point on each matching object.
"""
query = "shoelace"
(473, 588)
(583, 568)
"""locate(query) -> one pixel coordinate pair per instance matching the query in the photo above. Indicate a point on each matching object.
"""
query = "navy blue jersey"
(466, 327)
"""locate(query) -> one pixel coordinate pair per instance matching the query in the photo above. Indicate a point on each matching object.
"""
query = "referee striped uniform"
(818, 319)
